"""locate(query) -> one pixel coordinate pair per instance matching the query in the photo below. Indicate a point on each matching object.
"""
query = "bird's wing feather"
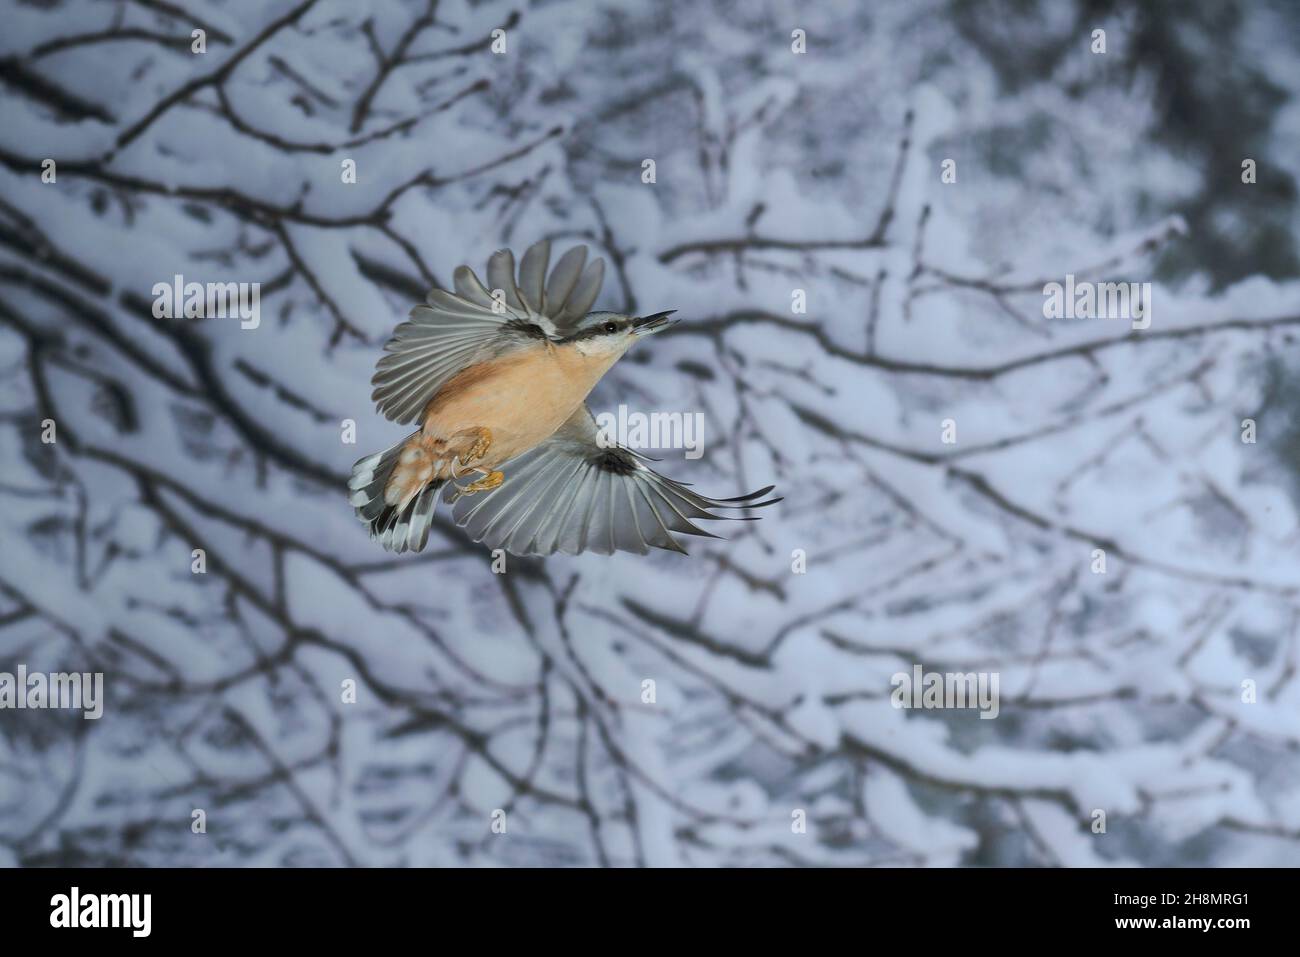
(455, 330)
(569, 494)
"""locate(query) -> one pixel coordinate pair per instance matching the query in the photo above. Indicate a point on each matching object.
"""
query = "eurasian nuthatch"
(500, 374)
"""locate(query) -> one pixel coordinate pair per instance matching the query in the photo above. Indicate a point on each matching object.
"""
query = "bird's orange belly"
(521, 400)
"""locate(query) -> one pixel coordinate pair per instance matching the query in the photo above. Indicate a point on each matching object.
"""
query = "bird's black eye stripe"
(592, 331)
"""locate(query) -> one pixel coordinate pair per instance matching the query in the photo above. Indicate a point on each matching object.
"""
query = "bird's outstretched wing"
(569, 494)
(458, 329)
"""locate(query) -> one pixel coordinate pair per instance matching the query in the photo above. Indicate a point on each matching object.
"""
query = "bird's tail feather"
(399, 526)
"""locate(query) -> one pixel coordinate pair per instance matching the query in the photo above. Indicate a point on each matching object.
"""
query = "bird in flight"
(497, 376)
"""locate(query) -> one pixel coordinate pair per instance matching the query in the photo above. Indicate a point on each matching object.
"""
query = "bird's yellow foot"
(482, 442)
(486, 483)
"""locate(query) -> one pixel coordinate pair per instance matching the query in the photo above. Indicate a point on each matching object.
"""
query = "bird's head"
(612, 334)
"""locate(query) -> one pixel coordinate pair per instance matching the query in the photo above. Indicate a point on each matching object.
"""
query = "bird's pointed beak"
(646, 325)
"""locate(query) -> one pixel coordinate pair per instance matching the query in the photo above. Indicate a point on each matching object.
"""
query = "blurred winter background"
(1121, 692)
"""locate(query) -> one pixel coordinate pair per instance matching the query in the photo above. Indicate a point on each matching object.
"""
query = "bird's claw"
(480, 446)
(486, 483)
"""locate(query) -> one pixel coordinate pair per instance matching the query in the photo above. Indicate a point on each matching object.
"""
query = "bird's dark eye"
(611, 327)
